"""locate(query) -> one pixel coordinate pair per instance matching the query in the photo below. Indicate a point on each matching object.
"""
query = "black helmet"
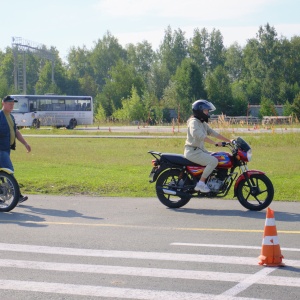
(198, 106)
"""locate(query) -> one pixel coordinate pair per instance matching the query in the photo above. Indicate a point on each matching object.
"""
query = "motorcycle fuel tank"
(224, 159)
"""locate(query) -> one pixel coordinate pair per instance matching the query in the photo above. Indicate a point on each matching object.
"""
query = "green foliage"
(132, 108)
(296, 106)
(173, 49)
(100, 115)
(267, 108)
(287, 109)
(180, 71)
(234, 62)
(198, 48)
(219, 90)
(123, 77)
(106, 53)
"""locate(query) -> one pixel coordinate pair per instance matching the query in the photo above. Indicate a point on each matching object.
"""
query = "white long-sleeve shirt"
(197, 132)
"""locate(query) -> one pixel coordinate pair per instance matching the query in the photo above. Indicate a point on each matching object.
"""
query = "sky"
(77, 23)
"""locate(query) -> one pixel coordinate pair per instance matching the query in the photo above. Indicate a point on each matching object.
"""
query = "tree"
(197, 49)
(158, 79)
(216, 50)
(79, 62)
(296, 106)
(234, 62)
(132, 108)
(264, 63)
(287, 109)
(240, 102)
(7, 69)
(141, 57)
(100, 115)
(292, 60)
(173, 49)
(219, 90)
(121, 78)
(45, 85)
(61, 84)
(106, 53)
(189, 86)
(267, 108)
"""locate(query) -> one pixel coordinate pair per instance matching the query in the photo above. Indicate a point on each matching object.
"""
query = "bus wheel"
(72, 124)
(36, 123)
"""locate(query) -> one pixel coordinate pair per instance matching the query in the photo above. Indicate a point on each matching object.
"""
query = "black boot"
(22, 198)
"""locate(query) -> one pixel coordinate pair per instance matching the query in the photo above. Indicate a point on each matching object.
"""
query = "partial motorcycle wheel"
(262, 195)
(9, 192)
(171, 181)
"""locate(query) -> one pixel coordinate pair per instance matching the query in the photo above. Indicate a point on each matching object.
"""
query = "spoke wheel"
(9, 192)
(172, 180)
(260, 197)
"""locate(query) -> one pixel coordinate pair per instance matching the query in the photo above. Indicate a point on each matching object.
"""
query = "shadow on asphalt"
(34, 216)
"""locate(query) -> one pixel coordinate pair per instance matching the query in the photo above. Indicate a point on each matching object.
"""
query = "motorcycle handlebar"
(223, 144)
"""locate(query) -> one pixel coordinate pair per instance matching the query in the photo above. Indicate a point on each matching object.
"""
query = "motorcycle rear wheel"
(9, 192)
(170, 180)
(263, 196)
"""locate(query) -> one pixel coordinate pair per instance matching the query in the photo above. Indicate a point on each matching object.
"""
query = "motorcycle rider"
(197, 133)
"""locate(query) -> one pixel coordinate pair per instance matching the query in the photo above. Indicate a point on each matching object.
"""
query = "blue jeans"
(5, 161)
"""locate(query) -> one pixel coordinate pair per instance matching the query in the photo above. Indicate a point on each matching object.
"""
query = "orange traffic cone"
(270, 253)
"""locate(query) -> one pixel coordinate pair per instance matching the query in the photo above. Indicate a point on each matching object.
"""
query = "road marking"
(136, 254)
(112, 292)
(250, 280)
(127, 254)
(242, 281)
(228, 246)
(151, 272)
(149, 227)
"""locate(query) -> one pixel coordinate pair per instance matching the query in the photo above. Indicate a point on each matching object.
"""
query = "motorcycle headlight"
(249, 155)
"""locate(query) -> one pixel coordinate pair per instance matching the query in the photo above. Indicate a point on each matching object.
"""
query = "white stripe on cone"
(270, 222)
(270, 240)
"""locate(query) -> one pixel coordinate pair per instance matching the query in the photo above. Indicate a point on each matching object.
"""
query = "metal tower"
(20, 47)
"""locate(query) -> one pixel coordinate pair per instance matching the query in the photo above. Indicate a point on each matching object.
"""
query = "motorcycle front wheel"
(9, 192)
(261, 196)
(171, 183)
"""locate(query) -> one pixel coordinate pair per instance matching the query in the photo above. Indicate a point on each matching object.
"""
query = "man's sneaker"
(23, 198)
(202, 187)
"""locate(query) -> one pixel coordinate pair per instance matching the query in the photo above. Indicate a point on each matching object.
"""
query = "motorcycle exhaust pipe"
(169, 192)
(174, 193)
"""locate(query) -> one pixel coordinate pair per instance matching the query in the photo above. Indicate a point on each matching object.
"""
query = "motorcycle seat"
(177, 159)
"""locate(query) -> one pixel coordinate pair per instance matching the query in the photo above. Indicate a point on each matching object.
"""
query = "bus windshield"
(21, 106)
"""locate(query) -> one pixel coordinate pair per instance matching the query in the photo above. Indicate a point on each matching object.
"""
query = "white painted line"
(229, 246)
(241, 286)
(129, 254)
(110, 292)
(120, 270)
(137, 255)
(147, 272)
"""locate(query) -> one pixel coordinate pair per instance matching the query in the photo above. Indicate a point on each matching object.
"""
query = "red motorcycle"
(176, 178)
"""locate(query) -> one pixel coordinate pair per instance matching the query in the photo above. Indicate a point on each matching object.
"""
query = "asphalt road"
(135, 248)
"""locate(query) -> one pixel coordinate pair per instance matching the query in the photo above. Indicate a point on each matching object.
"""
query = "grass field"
(120, 166)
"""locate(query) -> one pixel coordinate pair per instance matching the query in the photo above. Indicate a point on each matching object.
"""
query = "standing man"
(8, 135)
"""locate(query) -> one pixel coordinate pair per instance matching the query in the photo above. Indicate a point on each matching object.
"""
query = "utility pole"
(20, 48)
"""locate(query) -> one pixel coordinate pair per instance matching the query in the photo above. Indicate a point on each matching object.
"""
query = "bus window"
(31, 107)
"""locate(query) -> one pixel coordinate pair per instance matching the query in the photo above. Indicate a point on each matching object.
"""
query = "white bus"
(53, 110)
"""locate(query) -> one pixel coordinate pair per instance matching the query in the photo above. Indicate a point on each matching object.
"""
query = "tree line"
(137, 83)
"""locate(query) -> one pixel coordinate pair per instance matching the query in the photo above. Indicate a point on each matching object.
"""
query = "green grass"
(120, 167)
